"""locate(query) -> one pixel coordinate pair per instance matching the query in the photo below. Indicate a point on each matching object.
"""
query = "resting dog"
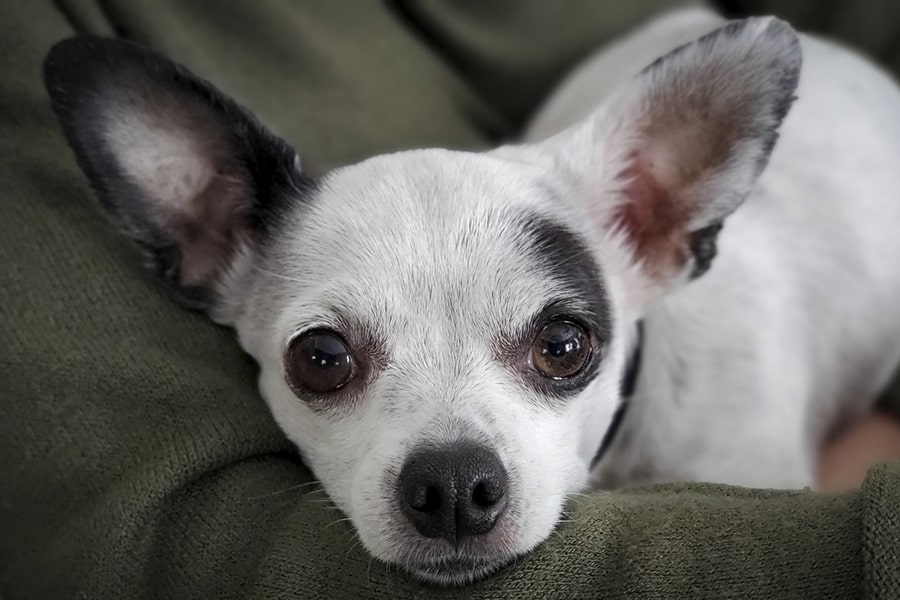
(449, 337)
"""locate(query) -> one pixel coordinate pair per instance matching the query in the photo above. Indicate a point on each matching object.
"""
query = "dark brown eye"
(319, 361)
(561, 350)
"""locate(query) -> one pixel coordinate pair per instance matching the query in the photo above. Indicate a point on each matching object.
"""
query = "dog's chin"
(456, 571)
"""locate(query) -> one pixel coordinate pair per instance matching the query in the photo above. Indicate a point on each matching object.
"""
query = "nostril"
(487, 493)
(424, 498)
(431, 500)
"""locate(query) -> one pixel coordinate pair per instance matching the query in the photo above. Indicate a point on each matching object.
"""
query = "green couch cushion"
(512, 52)
(136, 457)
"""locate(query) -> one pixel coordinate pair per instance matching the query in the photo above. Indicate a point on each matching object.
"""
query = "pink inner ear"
(209, 230)
(653, 220)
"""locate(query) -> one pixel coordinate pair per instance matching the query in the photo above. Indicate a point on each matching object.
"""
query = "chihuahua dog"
(445, 335)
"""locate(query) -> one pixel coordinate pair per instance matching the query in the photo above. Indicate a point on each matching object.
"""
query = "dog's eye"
(320, 362)
(561, 350)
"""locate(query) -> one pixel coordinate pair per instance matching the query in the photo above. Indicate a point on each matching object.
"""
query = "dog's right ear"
(186, 172)
(677, 149)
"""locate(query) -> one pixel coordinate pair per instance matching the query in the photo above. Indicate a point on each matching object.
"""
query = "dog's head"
(442, 334)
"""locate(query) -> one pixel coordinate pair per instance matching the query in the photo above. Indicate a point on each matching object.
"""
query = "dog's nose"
(454, 492)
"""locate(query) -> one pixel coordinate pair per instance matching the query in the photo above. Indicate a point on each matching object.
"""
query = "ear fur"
(664, 162)
(182, 169)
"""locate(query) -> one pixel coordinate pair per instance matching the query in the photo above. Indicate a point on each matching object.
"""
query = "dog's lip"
(457, 570)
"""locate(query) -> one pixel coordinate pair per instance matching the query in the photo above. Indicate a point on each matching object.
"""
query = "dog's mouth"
(456, 570)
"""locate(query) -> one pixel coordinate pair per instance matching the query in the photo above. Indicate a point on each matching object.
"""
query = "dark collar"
(628, 381)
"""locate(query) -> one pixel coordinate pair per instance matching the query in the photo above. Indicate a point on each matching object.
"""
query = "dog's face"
(442, 334)
(470, 349)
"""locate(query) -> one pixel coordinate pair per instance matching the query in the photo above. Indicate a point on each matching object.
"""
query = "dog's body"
(443, 334)
(818, 228)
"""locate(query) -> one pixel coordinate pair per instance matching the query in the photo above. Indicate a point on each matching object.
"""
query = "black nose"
(454, 492)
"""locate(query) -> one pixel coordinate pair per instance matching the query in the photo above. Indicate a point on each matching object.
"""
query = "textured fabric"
(512, 52)
(136, 457)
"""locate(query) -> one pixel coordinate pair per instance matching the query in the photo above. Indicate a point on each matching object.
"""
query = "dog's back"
(797, 324)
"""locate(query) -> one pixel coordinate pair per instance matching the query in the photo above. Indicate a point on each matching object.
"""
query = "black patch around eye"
(565, 259)
(555, 387)
(561, 350)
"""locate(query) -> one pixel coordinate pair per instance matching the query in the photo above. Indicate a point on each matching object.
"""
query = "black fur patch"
(566, 259)
(703, 247)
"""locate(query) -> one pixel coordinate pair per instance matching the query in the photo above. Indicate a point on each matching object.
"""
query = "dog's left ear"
(668, 158)
(182, 169)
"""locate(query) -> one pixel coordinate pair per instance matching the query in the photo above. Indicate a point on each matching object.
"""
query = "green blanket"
(136, 457)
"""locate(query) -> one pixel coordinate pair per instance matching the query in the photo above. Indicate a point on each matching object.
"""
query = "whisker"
(369, 569)
(326, 504)
(336, 521)
(355, 541)
(292, 488)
